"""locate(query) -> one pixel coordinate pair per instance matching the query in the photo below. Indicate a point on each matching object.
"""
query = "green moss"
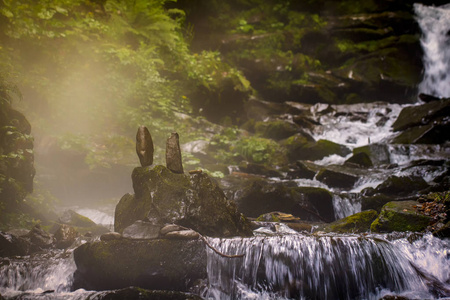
(357, 223)
(400, 216)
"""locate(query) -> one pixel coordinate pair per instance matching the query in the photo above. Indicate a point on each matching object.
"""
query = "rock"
(142, 230)
(401, 186)
(276, 129)
(336, 179)
(302, 147)
(134, 293)
(412, 116)
(400, 216)
(81, 223)
(258, 196)
(300, 170)
(361, 160)
(277, 216)
(173, 154)
(11, 245)
(377, 153)
(357, 223)
(443, 232)
(110, 236)
(436, 132)
(188, 234)
(171, 227)
(39, 238)
(158, 264)
(192, 201)
(258, 169)
(375, 202)
(65, 236)
(144, 146)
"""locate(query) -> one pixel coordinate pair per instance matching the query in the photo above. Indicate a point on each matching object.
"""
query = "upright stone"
(144, 146)
(173, 154)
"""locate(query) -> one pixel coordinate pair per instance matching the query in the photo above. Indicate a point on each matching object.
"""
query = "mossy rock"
(375, 202)
(435, 132)
(400, 216)
(194, 201)
(302, 147)
(360, 159)
(377, 153)
(300, 170)
(152, 264)
(276, 129)
(357, 223)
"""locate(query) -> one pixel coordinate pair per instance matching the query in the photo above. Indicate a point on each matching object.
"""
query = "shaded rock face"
(152, 264)
(400, 216)
(255, 197)
(196, 202)
(336, 179)
(144, 146)
(11, 245)
(424, 124)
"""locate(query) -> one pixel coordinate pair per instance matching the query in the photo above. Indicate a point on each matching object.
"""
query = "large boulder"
(159, 264)
(400, 216)
(11, 245)
(336, 179)
(194, 201)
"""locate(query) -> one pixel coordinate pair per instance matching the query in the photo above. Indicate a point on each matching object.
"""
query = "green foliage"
(257, 150)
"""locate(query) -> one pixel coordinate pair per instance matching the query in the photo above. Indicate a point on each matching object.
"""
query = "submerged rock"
(195, 201)
(152, 264)
(400, 216)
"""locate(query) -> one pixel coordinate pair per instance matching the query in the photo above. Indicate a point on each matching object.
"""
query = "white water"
(328, 267)
(435, 25)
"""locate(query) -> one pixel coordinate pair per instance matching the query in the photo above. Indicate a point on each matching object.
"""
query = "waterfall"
(435, 25)
(328, 267)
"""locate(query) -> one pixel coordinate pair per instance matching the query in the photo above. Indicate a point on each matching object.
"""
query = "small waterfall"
(435, 25)
(51, 271)
(326, 267)
(346, 205)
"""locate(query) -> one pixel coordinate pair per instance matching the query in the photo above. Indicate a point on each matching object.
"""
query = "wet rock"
(144, 146)
(170, 227)
(378, 153)
(135, 293)
(443, 232)
(420, 115)
(276, 129)
(300, 170)
(11, 245)
(360, 160)
(173, 154)
(303, 147)
(110, 236)
(336, 179)
(193, 201)
(152, 264)
(187, 234)
(258, 196)
(65, 236)
(142, 230)
(400, 216)
(39, 238)
(401, 186)
(357, 223)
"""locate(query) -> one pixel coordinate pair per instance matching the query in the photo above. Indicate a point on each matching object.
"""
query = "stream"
(285, 264)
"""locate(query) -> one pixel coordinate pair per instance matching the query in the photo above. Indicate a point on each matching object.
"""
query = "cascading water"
(435, 25)
(329, 267)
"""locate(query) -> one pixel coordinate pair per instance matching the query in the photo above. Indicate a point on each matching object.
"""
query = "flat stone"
(183, 235)
(142, 230)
